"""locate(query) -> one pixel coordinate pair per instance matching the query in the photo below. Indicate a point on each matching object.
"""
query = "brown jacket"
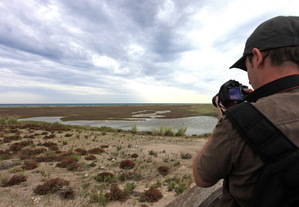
(228, 156)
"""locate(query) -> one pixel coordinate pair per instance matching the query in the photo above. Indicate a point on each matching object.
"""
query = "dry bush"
(90, 157)
(30, 153)
(127, 164)
(47, 158)
(14, 180)
(67, 162)
(51, 186)
(134, 155)
(124, 176)
(68, 135)
(66, 192)
(17, 146)
(50, 145)
(51, 136)
(151, 195)
(30, 165)
(163, 170)
(81, 151)
(116, 194)
(73, 166)
(11, 138)
(29, 136)
(104, 177)
(96, 151)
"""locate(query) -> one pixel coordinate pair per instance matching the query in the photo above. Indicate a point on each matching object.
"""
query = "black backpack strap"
(262, 135)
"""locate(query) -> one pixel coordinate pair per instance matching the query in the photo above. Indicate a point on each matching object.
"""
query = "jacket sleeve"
(216, 159)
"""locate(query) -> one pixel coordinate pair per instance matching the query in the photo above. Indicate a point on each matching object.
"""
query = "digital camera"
(231, 92)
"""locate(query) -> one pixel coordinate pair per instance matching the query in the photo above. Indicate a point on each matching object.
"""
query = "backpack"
(278, 182)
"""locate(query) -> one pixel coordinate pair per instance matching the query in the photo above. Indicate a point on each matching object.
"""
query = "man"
(271, 59)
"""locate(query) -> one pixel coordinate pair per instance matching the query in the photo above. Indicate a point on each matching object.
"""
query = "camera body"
(231, 92)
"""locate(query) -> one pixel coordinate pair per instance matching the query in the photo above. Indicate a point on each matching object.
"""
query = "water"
(195, 125)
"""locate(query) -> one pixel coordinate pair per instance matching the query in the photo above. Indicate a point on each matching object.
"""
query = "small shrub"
(104, 177)
(50, 186)
(151, 195)
(11, 138)
(178, 185)
(66, 192)
(134, 155)
(19, 145)
(96, 151)
(50, 145)
(67, 162)
(68, 135)
(127, 164)
(30, 165)
(90, 157)
(73, 166)
(134, 129)
(51, 136)
(14, 180)
(153, 153)
(4, 156)
(116, 194)
(30, 153)
(81, 151)
(98, 197)
(47, 158)
(158, 184)
(163, 170)
(181, 132)
(186, 156)
(129, 188)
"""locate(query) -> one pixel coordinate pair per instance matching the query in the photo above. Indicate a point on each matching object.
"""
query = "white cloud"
(135, 50)
(45, 45)
(20, 97)
(152, 91)
(14, 80)
(104, 61)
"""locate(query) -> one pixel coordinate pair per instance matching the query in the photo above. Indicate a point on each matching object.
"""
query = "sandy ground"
(148, 153)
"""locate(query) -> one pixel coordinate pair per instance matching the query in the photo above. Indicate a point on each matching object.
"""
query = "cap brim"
(240, 64)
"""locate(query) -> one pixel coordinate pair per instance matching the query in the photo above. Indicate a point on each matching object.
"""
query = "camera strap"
(264, 138)
(277, 86)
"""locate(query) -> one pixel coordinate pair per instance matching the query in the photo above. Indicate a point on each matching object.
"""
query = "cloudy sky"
(125, 51)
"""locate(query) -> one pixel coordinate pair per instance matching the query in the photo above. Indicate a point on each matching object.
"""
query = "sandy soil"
(148, 153)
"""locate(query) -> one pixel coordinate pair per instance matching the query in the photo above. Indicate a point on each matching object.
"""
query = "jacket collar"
(283, 84)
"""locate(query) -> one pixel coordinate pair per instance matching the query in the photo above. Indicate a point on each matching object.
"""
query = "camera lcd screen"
(235, 94)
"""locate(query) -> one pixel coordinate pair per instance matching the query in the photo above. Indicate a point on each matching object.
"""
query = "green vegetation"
(99, 198)
(129, 188)
(178, 184)
(71, 113)
(8, 120)
(168, 132)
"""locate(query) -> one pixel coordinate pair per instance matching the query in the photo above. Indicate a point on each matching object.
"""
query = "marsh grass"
(133, 179)
(99, 198)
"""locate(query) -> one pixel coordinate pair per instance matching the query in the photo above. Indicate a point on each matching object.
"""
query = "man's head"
(273, 44)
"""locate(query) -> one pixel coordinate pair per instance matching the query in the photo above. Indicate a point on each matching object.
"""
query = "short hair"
(280, 55)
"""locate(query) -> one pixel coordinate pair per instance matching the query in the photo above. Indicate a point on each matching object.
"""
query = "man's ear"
(258, 58)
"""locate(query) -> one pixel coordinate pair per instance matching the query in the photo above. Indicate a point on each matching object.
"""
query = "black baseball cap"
(281, 31)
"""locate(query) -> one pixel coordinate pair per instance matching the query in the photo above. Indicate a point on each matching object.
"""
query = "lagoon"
(196, 125)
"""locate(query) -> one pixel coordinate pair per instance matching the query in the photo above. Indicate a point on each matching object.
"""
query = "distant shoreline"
(90, 104)
(73, 112)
